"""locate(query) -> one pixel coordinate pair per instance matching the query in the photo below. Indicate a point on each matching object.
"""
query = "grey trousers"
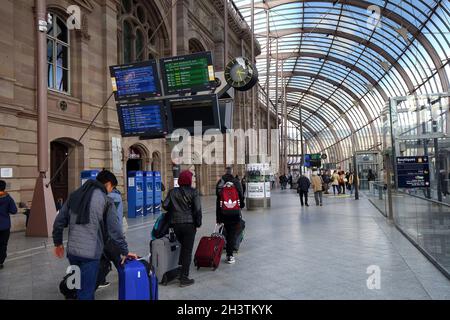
(318, 196)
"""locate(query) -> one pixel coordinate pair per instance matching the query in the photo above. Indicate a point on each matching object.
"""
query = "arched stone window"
(137, 23)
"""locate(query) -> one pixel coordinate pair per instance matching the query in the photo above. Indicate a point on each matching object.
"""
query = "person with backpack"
(92, 220)
(184, 207)
(7, 207)
(230, 201)
(317, 184)
(303, 188)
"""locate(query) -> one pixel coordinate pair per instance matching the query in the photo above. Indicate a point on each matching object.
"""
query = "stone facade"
(93, 49)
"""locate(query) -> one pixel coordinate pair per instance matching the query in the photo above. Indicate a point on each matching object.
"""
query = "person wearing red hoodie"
(7, 207)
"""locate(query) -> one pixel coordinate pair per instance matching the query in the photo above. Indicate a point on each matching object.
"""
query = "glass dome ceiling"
(343, 59)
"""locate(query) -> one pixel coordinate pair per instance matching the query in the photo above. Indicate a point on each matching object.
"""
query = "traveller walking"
(7, 207)
(352, 180)
(184, 206)
(335, 182)
(317, 184)
(303, 188)
(342, 181)
(244, 185)
(111, 253)
(228, 209)
(90, 216)
(326, 181)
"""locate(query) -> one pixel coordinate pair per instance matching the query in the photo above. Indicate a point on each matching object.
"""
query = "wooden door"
(60, 185)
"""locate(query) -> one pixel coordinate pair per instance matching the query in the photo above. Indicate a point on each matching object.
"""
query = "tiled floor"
(288, 253)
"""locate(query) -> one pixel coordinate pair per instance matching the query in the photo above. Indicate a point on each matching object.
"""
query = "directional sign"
(413, 172)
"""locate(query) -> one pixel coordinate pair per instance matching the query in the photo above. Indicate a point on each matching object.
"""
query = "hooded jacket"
(88, 240)
(7, 207)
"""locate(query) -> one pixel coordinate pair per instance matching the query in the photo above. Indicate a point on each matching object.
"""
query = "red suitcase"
(209, 250)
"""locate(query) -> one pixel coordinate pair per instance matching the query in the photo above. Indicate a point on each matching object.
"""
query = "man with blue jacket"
(92, 220)
(7, 207)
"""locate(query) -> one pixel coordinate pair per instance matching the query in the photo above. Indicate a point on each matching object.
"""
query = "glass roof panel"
(345, 60)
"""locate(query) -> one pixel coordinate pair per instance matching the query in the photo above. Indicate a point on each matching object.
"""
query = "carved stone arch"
(195, 45)
(86, 4)
(198, 40)
(140, 35)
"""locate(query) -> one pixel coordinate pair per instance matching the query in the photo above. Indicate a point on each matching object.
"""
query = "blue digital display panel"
(413, 172)
(144, 119)
(135, 81)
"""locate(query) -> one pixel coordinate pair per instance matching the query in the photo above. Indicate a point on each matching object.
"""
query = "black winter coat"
(184, 205)
(303, 184)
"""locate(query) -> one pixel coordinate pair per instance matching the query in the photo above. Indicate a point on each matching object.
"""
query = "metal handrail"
(423, 198)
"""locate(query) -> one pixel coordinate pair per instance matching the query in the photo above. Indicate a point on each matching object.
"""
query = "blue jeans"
(89, 271)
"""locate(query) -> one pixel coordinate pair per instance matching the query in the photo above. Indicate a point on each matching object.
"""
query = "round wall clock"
(241, 74)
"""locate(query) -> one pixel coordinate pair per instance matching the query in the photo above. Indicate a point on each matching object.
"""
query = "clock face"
(241, 74)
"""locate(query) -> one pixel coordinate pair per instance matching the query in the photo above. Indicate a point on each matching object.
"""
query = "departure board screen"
(190, 73)
(135, 81)
(144, 119)
(183, 112)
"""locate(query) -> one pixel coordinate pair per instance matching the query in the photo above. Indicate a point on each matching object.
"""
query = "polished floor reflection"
(289, 252)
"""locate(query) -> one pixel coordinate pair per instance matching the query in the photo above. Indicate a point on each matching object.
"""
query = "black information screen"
(413, 172)
(183, 112)
(135, 81)
(144, 119)
(189, 73)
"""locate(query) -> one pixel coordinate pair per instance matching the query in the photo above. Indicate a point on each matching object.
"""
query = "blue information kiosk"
(135, 194)
(157, 193)
(88, 175)
(148, 192)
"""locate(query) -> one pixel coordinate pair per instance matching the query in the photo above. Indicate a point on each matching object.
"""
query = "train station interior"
(354, 94)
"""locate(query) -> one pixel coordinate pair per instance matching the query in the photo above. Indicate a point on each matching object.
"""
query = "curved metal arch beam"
(324, 121)
(352, 37)
(319, 141)
(388, 14)
(331, 103)
(345, 89)
(348, 122)
(346, 64)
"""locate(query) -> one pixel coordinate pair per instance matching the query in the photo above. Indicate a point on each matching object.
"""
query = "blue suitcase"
(136, 282)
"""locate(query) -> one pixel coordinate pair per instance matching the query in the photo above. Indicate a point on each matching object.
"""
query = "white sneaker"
(231, 260)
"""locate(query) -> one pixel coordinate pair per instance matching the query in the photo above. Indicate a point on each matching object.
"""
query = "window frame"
(55, 42)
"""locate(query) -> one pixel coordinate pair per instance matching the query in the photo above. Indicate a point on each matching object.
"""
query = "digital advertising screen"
(135, 81)
(189, 73)
(183, 112)
(142, 119)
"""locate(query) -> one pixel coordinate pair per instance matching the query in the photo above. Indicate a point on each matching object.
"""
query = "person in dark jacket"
(184, 206)
(302, 189)
(7, 207)
(231, 222)
(244, 185)
(92, 220)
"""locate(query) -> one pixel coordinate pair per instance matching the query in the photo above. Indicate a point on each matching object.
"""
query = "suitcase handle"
(221, 226)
